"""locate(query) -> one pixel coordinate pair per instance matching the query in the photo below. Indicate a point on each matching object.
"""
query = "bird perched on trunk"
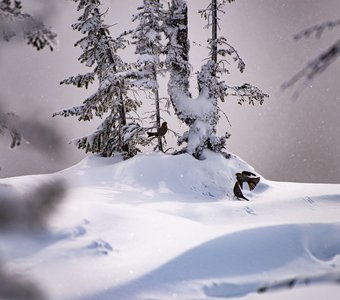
(160, 132)
(248, 177)
(237, 191)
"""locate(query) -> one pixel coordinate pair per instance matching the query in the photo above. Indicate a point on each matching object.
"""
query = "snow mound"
(171, 176)
(160, 227)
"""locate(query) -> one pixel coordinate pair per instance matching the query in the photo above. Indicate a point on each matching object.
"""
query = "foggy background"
(284, 139)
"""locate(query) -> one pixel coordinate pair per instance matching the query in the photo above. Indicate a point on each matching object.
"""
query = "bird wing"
(152, 134)
(247, 173)
(252, 182)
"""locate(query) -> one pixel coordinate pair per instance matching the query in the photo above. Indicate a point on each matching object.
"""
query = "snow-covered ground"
(168, 227)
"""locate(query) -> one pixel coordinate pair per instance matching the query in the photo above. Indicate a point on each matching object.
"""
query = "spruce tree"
(111, 100)
(201, 114)
(149, 47)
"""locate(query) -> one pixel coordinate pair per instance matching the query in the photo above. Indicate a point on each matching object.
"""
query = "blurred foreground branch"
(25, 213)
(16, 287)
(9, 123)
(317, 65)
(31, 210)
(14, 22)
(329, 278)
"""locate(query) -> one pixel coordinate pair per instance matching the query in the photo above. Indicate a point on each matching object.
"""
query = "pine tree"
(111, 99)
(201, 114)
(149, 48)
(220, 48)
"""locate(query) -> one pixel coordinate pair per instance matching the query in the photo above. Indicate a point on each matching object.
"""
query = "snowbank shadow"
(228, 290)
(331, 197)
(243, 253)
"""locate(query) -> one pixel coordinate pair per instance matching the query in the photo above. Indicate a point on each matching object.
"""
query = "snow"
(200, 106)
(158, 226)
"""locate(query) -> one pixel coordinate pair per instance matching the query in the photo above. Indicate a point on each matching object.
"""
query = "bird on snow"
(237, 192)
(161, 131)
(246, 176)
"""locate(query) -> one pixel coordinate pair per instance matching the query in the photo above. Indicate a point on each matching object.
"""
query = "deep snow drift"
(168, 227)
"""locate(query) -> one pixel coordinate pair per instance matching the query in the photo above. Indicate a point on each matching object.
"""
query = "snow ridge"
(160, 227)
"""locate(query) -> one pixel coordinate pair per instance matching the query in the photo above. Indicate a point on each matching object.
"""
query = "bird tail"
(243, 197)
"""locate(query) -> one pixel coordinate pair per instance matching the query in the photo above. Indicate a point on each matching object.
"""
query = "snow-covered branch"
(80, 80)
(208, 12)
(246, 93)
(148, 39)
(200, 114)
(223, 49)
(100, 51)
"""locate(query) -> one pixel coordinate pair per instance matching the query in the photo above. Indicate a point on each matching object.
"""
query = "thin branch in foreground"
(330, 278)
(317, 29)
(17, 287)
(312, 69)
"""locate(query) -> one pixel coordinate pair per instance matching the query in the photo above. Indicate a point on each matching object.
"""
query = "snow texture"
(162, 227)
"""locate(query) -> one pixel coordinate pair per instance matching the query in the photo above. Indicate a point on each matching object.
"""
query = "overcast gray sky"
(283, 139)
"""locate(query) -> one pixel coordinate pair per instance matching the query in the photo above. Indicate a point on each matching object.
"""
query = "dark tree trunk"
(179, 62)
(158, 119)
(214, 31)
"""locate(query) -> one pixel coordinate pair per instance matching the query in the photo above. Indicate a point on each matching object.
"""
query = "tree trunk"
(158, 119)
(122, 111)
(122, 121)
(214, 31)
(200, 114)
(178, 57)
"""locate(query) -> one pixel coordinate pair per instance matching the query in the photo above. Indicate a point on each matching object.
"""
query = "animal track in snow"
(100, 247)
(249, 211)
(75, 232)
(309, 200)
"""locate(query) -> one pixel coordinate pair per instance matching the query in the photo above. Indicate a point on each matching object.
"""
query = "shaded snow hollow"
(168, 227)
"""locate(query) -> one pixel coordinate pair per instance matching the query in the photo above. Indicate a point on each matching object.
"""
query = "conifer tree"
(149, 48)
(111, 100)
(201, 114)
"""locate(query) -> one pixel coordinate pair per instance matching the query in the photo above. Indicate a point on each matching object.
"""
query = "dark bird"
(237, 192)
(245, 176)
(161, 131)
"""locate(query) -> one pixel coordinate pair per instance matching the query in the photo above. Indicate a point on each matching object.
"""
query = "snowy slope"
(168, 227)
